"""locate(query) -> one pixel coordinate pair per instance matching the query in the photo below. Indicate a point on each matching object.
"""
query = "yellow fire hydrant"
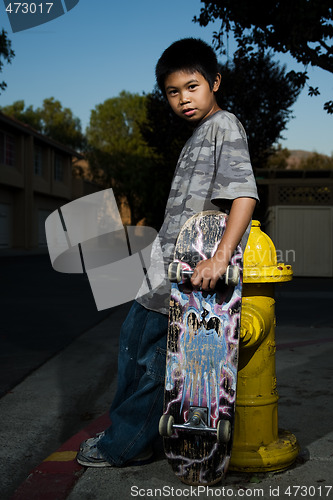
(259, 445)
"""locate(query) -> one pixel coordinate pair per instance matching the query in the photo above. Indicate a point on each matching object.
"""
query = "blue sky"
(101, 47)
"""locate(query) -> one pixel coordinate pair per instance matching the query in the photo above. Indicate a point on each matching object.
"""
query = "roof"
(23, 127)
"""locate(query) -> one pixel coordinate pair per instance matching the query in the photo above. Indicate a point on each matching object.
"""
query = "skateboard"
(202, 357)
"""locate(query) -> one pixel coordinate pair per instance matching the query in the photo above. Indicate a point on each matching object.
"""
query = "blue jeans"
(138, 403)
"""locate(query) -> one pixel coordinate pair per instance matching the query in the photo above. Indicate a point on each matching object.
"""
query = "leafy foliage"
(52, 120)
(277, 160)
(60, 124)
(24, 114)
(258, 91)
(317, 161)
(6, 54)
(303, 28)
(120, 157)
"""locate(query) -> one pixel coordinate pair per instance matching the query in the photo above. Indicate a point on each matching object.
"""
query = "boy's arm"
(207, 272)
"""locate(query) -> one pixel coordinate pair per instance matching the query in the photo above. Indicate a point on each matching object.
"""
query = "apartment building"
(35, 179)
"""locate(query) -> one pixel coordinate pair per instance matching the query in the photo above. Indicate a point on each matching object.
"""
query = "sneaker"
(88, 443)
(90, 456)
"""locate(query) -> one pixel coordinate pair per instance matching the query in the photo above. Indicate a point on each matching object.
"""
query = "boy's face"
(189, 95)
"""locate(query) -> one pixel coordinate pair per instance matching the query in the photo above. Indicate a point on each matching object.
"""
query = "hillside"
(297, 155)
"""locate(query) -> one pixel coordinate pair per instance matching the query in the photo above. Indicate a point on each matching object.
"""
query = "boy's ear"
(217, 82)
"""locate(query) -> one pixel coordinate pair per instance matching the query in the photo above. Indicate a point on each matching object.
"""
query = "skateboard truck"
(197, 419)
(176, 274)
(197, 422)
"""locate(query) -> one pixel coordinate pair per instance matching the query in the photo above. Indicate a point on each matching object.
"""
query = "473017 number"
(308, 491)
(29, 8)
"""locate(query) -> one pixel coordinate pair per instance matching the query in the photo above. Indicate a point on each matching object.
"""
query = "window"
(58, 168)
(38, 160)
(7, 149)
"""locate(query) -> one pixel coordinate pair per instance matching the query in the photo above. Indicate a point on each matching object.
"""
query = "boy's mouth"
(189, 112)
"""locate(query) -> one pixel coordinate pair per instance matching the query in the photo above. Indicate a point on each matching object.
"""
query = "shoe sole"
(86, 463)
(132, 463)
(93, 464)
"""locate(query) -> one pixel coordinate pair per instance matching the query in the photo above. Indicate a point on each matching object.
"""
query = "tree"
(317, 161)
(278, 158)
(26, 115)
(303, 28)
(119, 155)
(60, 124)
(6, 54)
(52, 120)
(258, 91)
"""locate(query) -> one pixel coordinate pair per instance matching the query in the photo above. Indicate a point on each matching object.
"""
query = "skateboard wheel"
(232, 275)
(165, 427)
(223, 431)
(175, 272)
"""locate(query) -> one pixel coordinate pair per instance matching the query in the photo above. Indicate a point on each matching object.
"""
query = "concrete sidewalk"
(304, 376)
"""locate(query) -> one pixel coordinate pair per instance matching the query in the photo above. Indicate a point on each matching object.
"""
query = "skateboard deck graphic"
(202, 359)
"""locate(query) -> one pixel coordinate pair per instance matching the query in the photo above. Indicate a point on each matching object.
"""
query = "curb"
(303, 343)
(57, 475)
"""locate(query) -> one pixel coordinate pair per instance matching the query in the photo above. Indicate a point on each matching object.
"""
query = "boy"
(213, 171)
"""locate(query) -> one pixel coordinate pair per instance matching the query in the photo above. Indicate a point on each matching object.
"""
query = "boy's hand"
(207, 273)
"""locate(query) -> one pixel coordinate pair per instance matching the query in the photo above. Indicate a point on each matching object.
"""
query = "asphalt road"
(42, 311)
(305, 302)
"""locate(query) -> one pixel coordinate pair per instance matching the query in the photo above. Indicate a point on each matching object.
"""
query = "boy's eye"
(173, 92)
(193, 86)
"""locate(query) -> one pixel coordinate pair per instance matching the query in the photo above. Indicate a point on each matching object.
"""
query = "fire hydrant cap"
(260, 261)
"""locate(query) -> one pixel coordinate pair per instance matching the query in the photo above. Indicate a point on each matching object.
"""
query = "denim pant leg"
(138, 403)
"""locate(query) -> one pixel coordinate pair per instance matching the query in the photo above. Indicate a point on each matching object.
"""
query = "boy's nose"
(184, 98)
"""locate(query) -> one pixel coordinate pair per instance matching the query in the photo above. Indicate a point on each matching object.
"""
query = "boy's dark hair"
(188, 54)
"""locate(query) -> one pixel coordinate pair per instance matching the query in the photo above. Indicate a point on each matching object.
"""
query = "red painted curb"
(55, 477)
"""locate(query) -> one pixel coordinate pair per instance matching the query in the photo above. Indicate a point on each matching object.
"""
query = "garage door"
(303, 237)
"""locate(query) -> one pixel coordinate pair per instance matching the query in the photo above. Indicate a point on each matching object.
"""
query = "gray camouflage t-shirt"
(213, 169)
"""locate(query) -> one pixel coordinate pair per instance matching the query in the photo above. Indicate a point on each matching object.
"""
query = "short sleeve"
(234, 174)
